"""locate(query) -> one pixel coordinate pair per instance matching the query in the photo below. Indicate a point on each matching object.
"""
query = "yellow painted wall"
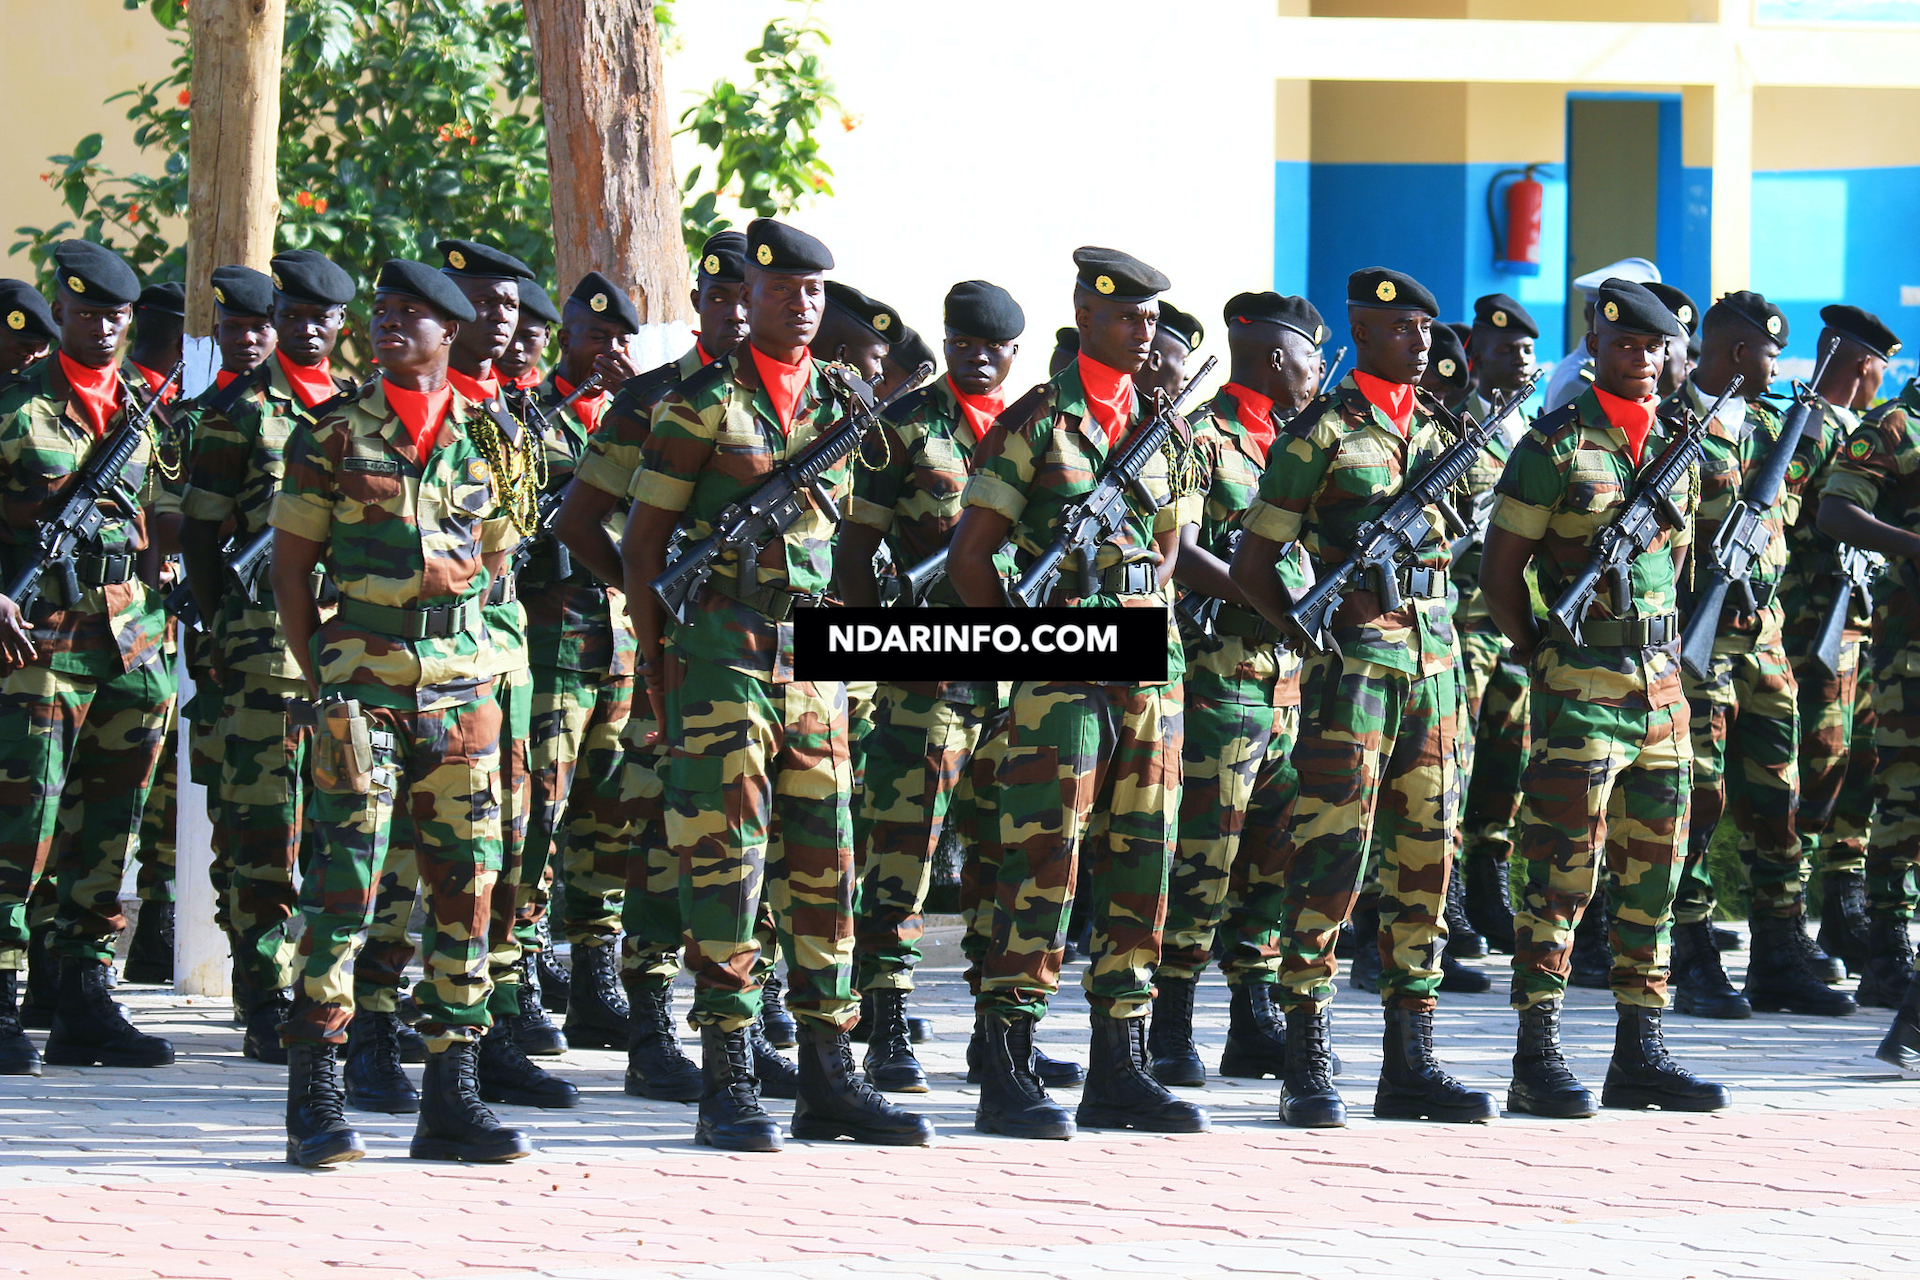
(1292, 120)
(1835, 128)
(1527, 10)
(1398, 122)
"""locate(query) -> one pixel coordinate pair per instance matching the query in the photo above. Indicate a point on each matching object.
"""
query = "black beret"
(723, 258)
(94, 274)
(1448, 356)
(1296, 314)
(876, 317)
(985, 311)
(242, 291)
(1634, 308)
(1498, 311)
(606, 299)
(1863, 327)
(1389, 289)
(25, 311)
(304, 275)
(418, 280)
(1113, 274)
(1756, 311)
(910, 350)
(169, 298)
(484, 262)
(1185, 327)
(775, 246)
(1066, 339)
(535, 304)
(1677, 302)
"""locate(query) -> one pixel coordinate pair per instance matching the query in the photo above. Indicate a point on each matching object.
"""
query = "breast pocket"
(371, 483)
(1362, 470)
(1594, 487)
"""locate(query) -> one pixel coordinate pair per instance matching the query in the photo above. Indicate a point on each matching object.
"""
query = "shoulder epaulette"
(223, 400)
(332, 404)
(1025, 411)
(1301, 423)
(906, 406)
(642, 386)
(1555, 421)
(496, 408)
(705, 378)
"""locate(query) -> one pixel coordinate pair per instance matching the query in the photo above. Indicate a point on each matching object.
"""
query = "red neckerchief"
(311, 382)
(587, 408)
(420, 412)
(481, 389)
(1634, 418)
(701, 347)
(1395, 399)
(223, 379)
(96, 392)
(1110, 397)
(528, 380)
(1255, 415)
(153, 381)
(979, 411)
(783, 382)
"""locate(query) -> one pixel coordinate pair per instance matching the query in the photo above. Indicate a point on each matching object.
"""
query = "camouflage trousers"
(513, 892)
(1894, 846)
(380, 966)
(756, 799)
(1497, 704)
(264, 796)
(103, 737)
(1606, 791)
(1237, 790)
(205, 751)
(1746, 734)
(650, 907)
(980, 852)
(153, 880)
(443, 770)
(1090, 774)
(578, 824)
(1836, 788)
(1376, 774)
(920, 783)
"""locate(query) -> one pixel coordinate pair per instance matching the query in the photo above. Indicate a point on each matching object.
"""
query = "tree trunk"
(616, 206)
(232, 192)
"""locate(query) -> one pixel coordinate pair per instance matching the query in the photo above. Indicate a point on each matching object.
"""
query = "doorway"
(1613, 189)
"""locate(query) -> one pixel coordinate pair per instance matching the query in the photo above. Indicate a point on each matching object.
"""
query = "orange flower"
(133, 213)
(186, 97)
(320, 205)
(443, 133)
(849, 123)
(304, 200)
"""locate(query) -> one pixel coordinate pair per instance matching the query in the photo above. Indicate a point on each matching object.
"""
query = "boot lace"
(741, 1085)
(325, 1101)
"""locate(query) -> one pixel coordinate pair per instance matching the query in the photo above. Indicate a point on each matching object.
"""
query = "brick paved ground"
(178, 1173)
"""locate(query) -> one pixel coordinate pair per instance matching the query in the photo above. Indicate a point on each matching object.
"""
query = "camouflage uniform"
(1746, 711)
(1378, 722)
(1113, 750)
(759, 770)
(1608, 774)
(90, 709)
(403, 536)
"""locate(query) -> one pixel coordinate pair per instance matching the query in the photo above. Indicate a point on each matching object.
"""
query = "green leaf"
(88, 147)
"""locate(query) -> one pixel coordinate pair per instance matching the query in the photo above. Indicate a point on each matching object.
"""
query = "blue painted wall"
(1292, 182)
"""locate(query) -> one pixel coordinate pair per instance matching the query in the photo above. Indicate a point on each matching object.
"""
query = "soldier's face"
(496, 314)
(1297, 369)
(784, 311)
(1679, 365)
(1392, 344)
(585, 337)
(1166, 366)
(1755, 362)
(723, 316)
(307, 331)
(1117, 334)
(977, 366)
(244, 341)
(1502, 359)
(17, 351)
(523, 353)
(409, 335)
(1872, 372)
(1625, 364)
(870, 358)
(90, 335)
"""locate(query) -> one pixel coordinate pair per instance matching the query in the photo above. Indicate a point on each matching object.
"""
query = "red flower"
(186, 97)
(304, 200)
(320, 205)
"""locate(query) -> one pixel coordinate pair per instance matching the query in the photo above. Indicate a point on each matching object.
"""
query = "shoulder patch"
(906, 406)
(1028, 409)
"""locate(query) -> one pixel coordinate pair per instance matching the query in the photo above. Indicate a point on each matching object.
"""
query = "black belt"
(1244, 623)
(775, 603)
(1132, 578)
(103, 571)
(436, 622)
(1631, 633)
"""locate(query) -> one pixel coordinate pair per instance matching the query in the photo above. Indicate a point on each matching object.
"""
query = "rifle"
(748, 523)
(919, 579)
(80, 517)
(1381, 545)
(1632, 531)
(1858, 568)
(1085, 524)
(1333, 369)
(546, 511)
(1742, 536)
(591, 381)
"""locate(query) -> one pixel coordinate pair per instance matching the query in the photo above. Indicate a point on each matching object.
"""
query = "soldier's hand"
(16, 642)
(615, 367)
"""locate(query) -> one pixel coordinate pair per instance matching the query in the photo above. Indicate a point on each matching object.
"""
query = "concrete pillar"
(202, 963)
(1733, 160)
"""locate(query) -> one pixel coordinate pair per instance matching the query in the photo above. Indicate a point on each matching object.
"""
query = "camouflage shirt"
(613, 453)
(1728, 458)
(44, 444)
(1339, 463)
(1481, 477)
(1566, 481)
(1811, 577)
(1879, 472)
(401, 533)
(1045, 453)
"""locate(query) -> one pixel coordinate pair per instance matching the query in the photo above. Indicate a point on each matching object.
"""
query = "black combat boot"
(1121, 1092)
(776, 1024)
(1256, 1044)
(596, 1006)
(890, 1064)
(43, 981)
(510, 1076)
(1461, 979)
(835, 1102)
(18, 1057)
(862, 1025)
(1170, 1045)
(317, 1130)
(1700, 985)
(1591, 961)
(1367, 965)
(1725, 939)
(556, 984)
(454, 1123)
(1413, 1086)
(1488, 900)
(533, 1030)
(1463, 940)
(375, 1079)
(1843, 919)
(778, 1077)
(1780, 978)
(264, 1015)
(1642, 1073)
(150, 951)
(89, 1029)
(1054, 1073)
(1889, 962)
(731, 1117)
(413, 1045)
(1823, 967)
(1543, 1084)
(656, 1066)
(1013, 1101)
(1308, 1099)
(1901, 1048)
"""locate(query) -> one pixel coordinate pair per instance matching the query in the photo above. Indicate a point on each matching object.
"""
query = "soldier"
(749, 745)
(1447, 378)
(1117, 744)
(1177, 336)
(1606, 785)
(1682, 351)
(393, 492)
(519, 364)
(84, 696)
(159, 323)
(1242, 713)
(1745, 711)
(27, 331)
(905, 356)
(233, 471)
(1375, 753)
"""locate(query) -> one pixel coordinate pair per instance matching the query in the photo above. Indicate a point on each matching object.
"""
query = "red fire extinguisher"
(1517, 251)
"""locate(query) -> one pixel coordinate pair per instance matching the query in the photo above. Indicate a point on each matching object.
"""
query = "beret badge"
(1613, 311)
(457, 260)
(1386, 291)
(1103, 283)
(765, 255)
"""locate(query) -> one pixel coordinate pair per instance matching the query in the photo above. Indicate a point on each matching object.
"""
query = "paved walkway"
(177, 1172)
